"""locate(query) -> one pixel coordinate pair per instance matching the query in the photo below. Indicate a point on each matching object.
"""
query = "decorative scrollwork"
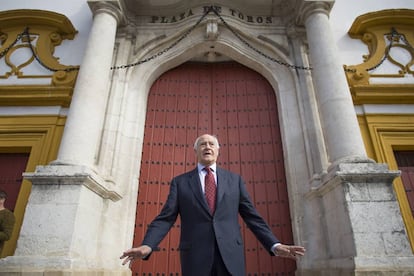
(388, 36)
(28, 38)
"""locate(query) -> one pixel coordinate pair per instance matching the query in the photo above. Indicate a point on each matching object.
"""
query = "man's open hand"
(135, 253)
(290, 251)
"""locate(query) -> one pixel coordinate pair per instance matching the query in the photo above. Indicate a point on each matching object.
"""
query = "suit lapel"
(195, 185)
(222, 184)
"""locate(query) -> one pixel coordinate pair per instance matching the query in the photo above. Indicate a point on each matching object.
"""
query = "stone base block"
(66, 273)
(352, 272)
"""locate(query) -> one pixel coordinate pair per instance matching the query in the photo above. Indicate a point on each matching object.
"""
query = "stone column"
(84, 124)
(341, 130)
(76, 162)
(317, 157)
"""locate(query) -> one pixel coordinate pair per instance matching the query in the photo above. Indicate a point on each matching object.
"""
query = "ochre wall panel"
(385, 136)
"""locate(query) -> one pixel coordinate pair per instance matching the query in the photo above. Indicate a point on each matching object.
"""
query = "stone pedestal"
(67, 226)
(357, 225)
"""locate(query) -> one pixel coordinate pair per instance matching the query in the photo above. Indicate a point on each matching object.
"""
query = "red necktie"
(210, 189)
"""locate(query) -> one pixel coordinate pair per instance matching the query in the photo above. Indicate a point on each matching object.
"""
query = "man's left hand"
(290, 251)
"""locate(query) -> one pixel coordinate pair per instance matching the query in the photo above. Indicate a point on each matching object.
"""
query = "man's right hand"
(135, 253)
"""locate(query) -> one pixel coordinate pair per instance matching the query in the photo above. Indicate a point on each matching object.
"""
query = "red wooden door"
(239, 106)
(12, 165)
(405, 161)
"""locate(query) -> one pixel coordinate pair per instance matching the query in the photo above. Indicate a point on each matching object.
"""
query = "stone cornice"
(60, 174)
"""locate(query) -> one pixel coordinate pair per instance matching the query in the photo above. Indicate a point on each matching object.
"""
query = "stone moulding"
(355, 173)
(73, 175)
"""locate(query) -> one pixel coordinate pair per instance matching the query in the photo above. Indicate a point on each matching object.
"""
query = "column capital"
(309, 7)
(112, 7)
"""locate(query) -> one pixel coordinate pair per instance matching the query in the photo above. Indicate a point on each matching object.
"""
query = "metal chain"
(257, 50)
(402, 37)
(5, 51)
(387, 50)
(168, 48)
(26, 33)
(207, 11)
(348, 70)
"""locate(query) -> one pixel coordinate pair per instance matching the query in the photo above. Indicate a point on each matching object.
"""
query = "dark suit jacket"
(200, 230)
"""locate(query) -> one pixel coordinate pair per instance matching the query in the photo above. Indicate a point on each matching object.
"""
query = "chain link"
(166, 49)
(349, 70)
(257, 50)
(402, 37)
(215, 11)
(5, 51)
(387, 50)
(70, 69)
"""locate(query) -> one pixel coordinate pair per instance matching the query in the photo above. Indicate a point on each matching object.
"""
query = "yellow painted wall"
(383, 134)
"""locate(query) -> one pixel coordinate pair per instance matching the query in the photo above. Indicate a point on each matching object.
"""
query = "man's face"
(207, 150)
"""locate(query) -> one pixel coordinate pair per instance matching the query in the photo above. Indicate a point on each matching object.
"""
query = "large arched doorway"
(239, 106)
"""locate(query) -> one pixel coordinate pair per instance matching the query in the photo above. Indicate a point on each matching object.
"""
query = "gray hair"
(199, 137)
(3, 194)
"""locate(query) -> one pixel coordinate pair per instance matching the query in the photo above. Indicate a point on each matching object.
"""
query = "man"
(6, 221)
(210, 241)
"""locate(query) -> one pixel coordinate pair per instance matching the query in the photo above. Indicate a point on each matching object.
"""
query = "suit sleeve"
(254, 220)
(160, 226)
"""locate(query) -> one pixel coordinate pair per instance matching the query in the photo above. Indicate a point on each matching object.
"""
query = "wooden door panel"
(405, 161)
(407, 176)
(12, 165)
(239, 106)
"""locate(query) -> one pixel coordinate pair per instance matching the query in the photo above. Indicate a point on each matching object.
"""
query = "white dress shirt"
(202, 174)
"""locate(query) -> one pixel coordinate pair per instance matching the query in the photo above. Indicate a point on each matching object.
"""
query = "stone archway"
(239, 106)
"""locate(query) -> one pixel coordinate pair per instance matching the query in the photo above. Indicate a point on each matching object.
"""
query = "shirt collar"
(201, 167)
